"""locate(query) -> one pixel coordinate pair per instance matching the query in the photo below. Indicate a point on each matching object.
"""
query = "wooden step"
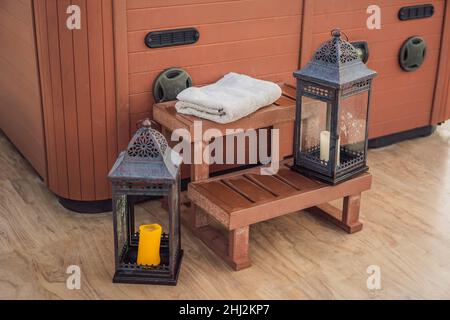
(247, 197)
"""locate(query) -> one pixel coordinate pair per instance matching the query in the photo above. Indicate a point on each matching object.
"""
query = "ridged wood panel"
(441, 107)
(78, 77)
(256, 37)
(401, 100)
(447, 114)
(20, 98)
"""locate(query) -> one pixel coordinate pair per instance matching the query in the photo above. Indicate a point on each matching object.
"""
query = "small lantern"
(333, 101)
(147, 168)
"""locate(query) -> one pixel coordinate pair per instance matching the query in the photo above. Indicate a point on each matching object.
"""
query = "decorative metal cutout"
(356, 87)
(318, 91)
(350, 158)
(148, 144)
(313, 154)
(336, 50)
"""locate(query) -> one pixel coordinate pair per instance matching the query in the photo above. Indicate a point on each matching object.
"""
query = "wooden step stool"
(244, 198)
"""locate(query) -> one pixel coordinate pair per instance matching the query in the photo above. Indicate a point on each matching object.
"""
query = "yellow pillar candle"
(149, 245)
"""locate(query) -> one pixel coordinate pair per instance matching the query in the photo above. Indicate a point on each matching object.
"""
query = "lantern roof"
(336, 63)
(148, 158)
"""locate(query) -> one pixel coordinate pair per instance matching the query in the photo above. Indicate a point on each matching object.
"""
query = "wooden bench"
(241, 199)
(279, 115)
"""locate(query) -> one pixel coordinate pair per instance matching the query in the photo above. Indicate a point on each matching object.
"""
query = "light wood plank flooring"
(406, 233)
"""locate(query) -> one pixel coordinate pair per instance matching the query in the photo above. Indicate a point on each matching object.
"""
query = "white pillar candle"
(325, 146)
(325, 139)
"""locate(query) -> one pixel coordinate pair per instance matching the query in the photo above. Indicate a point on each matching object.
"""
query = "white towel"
(231, 98)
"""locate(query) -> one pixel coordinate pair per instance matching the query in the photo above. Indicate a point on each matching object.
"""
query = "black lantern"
(147, 168)
(333, 101)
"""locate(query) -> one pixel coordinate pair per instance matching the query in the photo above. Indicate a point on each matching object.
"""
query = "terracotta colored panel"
(70, 103)
(258, 38)
(136, 4)
(424, 75)
(357, 17)
(121, 69)
(406, 122)
(397, 94)
(157, 59)
(143, 102)
(388, 48)
(204, 74)
(108, 49)
(285, 77)
(188, 15)
(21, 117)
(392, 31)
(231, 31)
(337, 6)
(447, 105)
(441, 105)
(98, 100)
(83, 99)
(40, 14)
(391, 67)
(78, 73)
(403, 105)
(58, 106)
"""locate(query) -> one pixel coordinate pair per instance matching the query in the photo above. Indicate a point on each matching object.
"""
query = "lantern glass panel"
(315, 129)
(352, 129)
(154, 213)
(122, 224)
(175, 207)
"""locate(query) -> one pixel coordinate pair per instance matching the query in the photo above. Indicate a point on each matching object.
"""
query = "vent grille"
(168, 38)
(416, 12)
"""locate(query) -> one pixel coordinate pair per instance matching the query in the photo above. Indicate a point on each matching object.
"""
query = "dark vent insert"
(168, 38)
(416, 12)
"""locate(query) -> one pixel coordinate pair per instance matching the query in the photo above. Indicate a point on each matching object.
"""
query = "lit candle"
(325, 139)
(149, 245)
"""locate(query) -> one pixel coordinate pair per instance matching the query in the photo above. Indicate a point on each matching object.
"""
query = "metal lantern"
(147, 168)
(333, 101)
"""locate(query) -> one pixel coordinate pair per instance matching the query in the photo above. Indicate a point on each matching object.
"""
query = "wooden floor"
(406, 233)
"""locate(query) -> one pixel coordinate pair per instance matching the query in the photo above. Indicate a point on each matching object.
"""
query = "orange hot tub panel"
(89, 87)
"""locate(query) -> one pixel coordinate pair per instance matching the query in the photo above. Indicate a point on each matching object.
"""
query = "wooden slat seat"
(241, 199)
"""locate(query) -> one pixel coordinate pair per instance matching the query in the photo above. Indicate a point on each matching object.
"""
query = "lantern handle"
(337, 32)
(146, 123)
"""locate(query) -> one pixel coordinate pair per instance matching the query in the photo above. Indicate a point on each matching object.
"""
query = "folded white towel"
(231, 98)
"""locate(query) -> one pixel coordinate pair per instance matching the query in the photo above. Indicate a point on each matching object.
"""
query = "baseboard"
(401, 136)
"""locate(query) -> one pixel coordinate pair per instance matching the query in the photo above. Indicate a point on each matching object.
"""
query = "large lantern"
(147, 168)
(333, 101)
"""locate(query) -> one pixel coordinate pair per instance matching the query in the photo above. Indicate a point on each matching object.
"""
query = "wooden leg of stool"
(238, 242)
(199, 172)
(350, 213)
(200, 218)
(347, 219)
